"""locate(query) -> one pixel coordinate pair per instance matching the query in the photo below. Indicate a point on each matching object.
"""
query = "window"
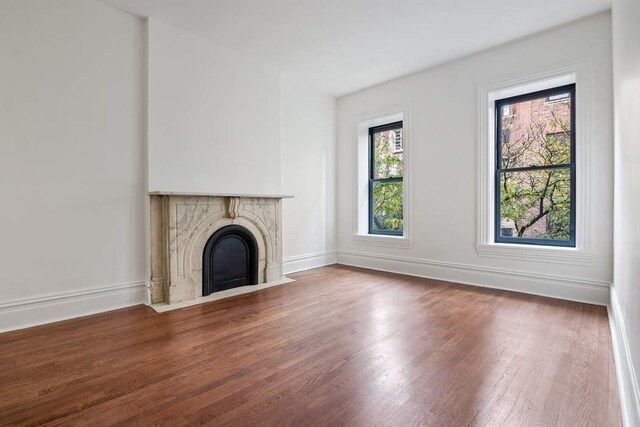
(535, 170)
(558, 98)
(397, 142)
(561, 137)
(386, 172)
(547, 241)
(382, 202)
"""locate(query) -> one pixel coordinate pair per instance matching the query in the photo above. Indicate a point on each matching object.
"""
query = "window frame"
(580, 73)
(362, 121)
(498, 170)
(372, 131)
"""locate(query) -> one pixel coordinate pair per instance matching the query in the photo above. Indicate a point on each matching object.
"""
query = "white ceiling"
(340, 46)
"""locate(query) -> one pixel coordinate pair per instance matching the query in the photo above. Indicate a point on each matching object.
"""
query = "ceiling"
(341, 46)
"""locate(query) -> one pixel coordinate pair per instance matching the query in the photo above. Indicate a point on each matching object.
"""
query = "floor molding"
(32, 311)
(240, 290)
(628, 389)
(27, 312)
(308, 261)
(554, 286)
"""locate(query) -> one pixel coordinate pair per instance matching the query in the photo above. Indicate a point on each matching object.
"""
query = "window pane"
(387, 206)
(387, 154)
(536, 132)
(536, 204)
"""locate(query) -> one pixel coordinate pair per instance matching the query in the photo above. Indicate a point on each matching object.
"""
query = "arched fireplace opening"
(230, 260)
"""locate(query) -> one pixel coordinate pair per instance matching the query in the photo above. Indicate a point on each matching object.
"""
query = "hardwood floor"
(341, 346)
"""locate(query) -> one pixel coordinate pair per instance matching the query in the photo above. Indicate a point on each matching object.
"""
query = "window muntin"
(535, 168)
(386, 186)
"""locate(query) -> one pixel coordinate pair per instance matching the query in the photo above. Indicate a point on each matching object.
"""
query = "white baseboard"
(307, 261)
(39, 310)
(33, 311)
(562, 287)
(626, 374)
(23, 313)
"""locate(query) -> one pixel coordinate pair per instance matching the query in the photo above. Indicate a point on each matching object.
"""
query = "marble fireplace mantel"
(198, 194)
(181, 224)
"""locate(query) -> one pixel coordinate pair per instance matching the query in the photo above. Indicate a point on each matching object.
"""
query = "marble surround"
(181, 224)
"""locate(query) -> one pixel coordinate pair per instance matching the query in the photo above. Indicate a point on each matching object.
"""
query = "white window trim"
(361, 200)
(577, 73)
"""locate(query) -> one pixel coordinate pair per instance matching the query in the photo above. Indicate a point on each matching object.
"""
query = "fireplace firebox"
(230, 260)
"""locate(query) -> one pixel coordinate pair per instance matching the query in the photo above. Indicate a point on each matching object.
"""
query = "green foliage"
(537, 202)
(387, 196)
(387, 206)
(529, 197)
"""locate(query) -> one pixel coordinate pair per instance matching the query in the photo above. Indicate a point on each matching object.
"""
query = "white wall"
(220, 122)
(308, 173)
(214, 117)
(72, 162)
(73, 158)
(444, 143)
(626, 273)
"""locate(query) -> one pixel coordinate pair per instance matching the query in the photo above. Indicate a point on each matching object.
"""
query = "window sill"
(382, 240)
(559, 255)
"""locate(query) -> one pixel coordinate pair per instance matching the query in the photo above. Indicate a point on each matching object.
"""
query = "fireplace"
(205, 243)
(230, 260)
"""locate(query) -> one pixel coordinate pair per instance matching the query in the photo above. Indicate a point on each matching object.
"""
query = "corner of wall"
(628, 389)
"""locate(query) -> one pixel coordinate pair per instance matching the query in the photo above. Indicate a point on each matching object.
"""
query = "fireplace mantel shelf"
(255, 196)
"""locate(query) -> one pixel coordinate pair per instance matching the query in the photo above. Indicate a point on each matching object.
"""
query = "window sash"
(372, 230)
(499, 170)
(372, 180)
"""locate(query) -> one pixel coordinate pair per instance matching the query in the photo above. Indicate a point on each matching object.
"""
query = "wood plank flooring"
(340, 346)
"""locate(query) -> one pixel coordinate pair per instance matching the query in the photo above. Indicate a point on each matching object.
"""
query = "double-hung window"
(386, 187)
(535, 168)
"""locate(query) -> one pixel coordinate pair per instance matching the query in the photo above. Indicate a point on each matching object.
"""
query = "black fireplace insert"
(230, 260)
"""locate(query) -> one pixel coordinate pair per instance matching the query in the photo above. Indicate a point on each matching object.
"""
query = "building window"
(397, 142)
(561, 97)
(535, 171)
(386, 187)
